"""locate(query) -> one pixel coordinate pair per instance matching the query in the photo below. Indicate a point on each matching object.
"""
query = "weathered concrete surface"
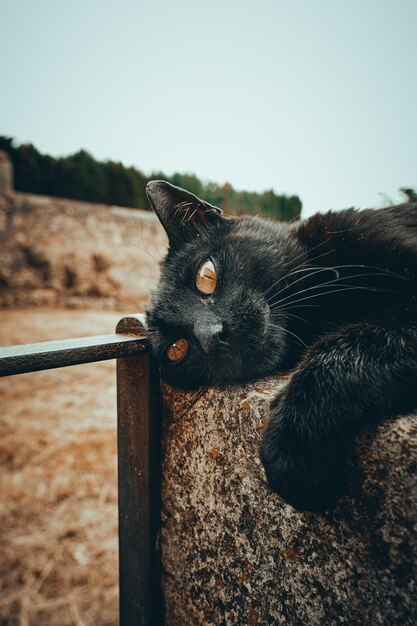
(59, 252)
(234, 553)
(6, 175)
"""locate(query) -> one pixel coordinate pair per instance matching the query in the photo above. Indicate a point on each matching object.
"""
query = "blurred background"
(262, 107)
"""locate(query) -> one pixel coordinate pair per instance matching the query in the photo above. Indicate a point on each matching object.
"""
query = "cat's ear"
(180, 212)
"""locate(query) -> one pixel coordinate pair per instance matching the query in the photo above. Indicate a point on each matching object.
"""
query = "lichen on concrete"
(234, 553)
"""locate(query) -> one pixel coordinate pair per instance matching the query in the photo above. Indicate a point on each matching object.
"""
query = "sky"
(314, 98)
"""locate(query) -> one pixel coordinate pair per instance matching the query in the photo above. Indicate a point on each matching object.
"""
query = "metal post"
(139, 443)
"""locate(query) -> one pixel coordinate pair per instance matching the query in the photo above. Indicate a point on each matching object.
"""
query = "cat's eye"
(177, 350)
(206, 278)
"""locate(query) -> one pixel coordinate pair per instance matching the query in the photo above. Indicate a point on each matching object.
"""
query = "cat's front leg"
(357, 374)
(303, 450)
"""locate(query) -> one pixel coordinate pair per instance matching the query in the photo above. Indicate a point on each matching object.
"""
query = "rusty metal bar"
(139, 442)
(33, 357)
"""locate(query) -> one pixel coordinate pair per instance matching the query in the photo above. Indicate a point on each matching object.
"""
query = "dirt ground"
(58, 496)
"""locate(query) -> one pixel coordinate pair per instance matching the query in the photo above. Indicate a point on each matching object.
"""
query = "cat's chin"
(230, 370)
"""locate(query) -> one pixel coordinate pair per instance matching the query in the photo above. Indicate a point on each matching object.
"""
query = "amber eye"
(177, 350)
(206, 278)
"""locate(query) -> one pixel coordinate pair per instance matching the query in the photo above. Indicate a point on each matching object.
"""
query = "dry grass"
(58, 498)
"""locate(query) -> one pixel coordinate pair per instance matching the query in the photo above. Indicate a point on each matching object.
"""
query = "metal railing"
(139, 442)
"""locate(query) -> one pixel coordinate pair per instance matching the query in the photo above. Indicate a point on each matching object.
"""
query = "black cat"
(333, 296)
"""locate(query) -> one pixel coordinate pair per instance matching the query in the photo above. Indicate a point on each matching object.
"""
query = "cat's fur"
(334, 296)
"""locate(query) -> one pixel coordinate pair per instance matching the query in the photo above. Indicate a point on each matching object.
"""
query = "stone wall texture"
(58, 252)
(234, 553)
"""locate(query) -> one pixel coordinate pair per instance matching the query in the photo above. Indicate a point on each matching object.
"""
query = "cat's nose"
(208, 335)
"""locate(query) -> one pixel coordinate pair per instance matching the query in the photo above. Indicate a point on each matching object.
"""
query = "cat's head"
(209, 319)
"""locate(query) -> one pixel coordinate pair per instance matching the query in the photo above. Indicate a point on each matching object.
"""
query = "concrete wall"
(59, 252)
(6, 175)
(234, 553)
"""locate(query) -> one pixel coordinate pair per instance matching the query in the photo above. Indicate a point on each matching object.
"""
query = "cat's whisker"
(330, 292)
(313, 270)
(214, 377)
(131, 243)
(177, 210)
(385, 271)
(200, 393)
(296, 336)
(161, 256)
(296, 270)
(299, 306)
(286, 330)
(192, 215)
(294, 219)
(308, 262)
(201, 374)
(304, 253)
(185, 215)
(312, 273)
(358, 287)
(145, 247)
(298, 317)
(322, 243)
(335, 268)
(180, 206)
(325, 284)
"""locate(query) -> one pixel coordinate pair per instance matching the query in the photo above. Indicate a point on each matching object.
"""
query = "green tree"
(82, 177)
(411, 194)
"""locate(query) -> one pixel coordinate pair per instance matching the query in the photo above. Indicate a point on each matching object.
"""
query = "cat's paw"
(306, 468)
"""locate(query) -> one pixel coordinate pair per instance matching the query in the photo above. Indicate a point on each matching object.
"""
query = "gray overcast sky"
(314, 98)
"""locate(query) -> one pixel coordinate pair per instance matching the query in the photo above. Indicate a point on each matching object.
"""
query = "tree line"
(82, 177)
